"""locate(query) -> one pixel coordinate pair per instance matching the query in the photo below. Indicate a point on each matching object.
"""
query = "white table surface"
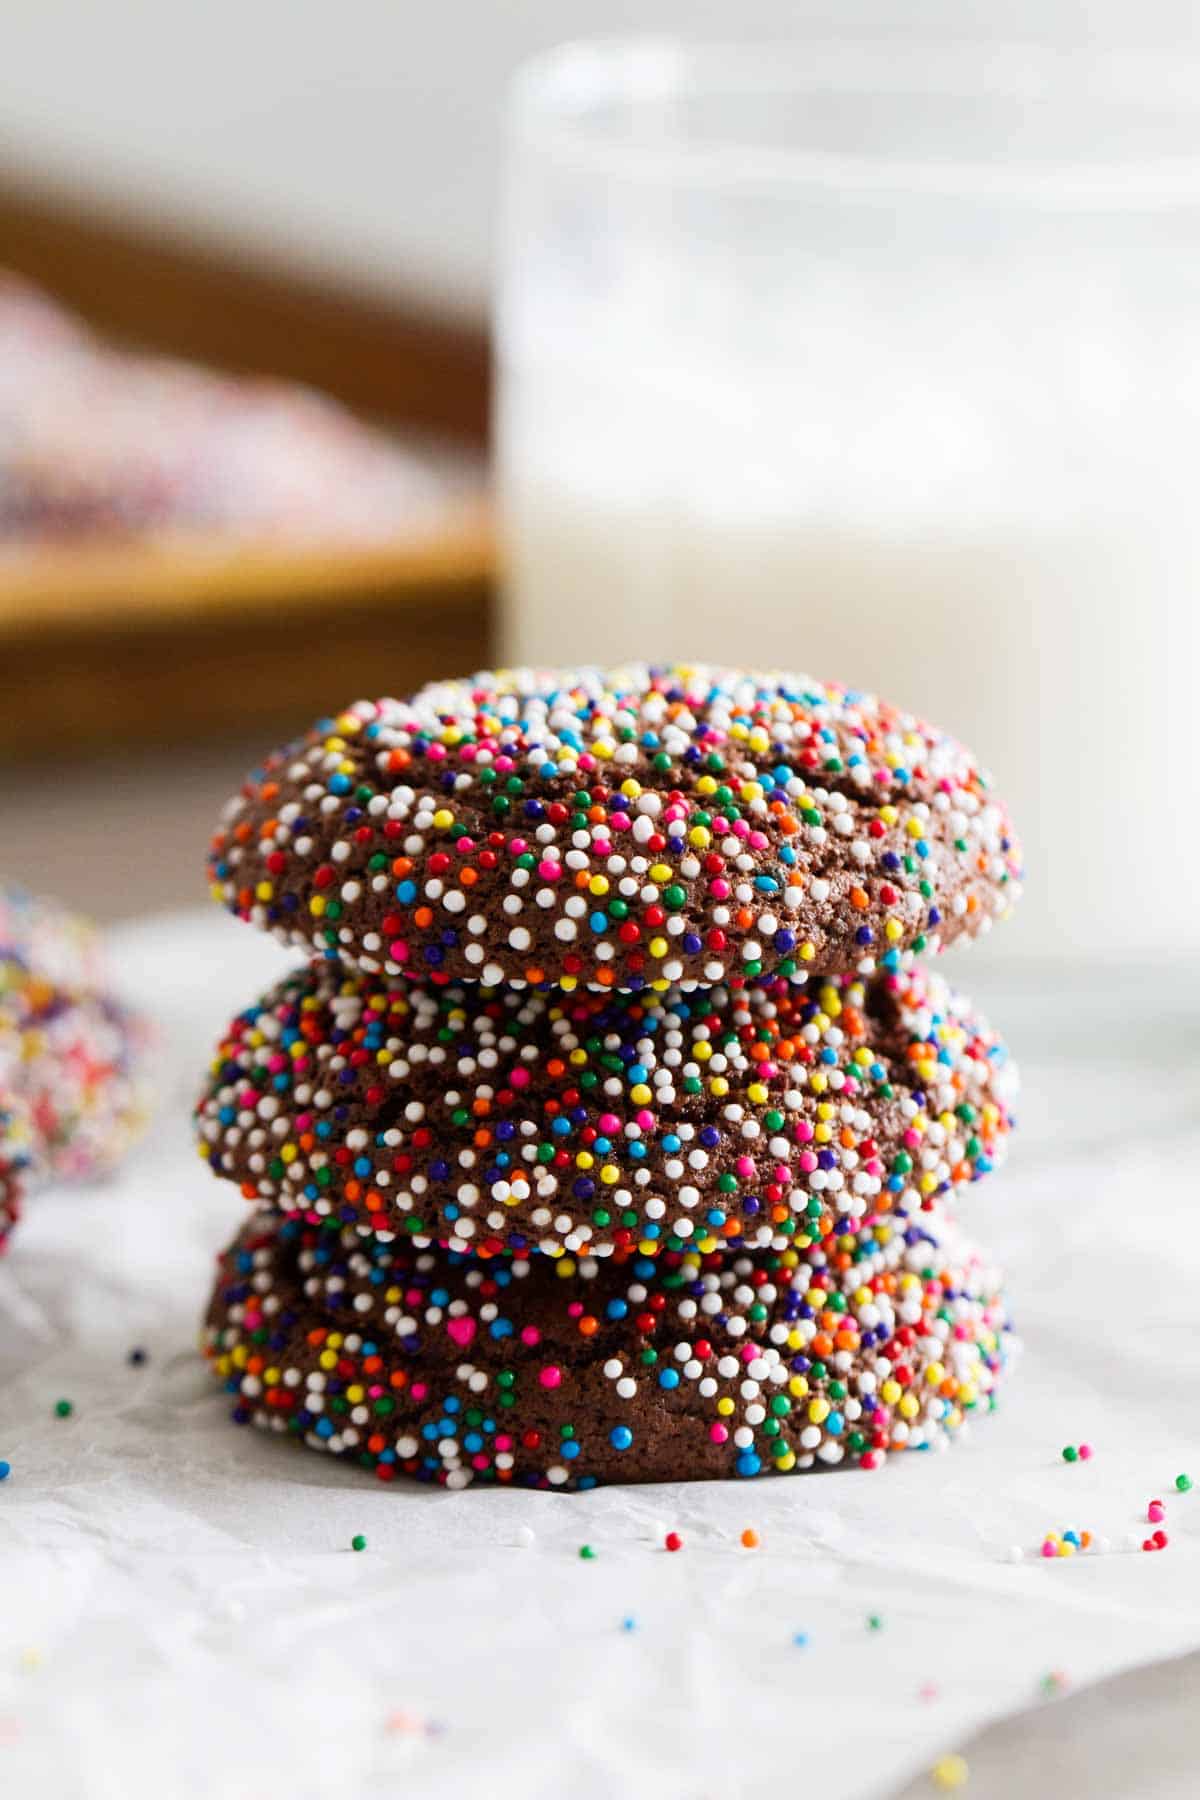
(181, 1614)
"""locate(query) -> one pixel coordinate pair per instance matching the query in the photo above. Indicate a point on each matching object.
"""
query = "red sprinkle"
(673, 1541)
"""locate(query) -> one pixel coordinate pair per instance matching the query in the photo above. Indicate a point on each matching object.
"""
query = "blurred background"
(877, 357)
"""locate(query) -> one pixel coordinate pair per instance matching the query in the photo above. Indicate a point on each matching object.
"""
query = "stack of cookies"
(609, 1130)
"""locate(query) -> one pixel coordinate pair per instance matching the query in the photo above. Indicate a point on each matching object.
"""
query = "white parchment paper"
(181, 1613)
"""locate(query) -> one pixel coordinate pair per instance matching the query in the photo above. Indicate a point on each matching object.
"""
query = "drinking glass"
(883, 366)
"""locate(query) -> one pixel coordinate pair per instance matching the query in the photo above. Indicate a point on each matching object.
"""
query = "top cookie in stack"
(630, 828)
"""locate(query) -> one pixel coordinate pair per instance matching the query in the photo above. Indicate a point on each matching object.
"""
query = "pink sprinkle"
(1048, 1549)
(608, 1123)
(530, 1335)
(718, 1434)
(1156, 1511)
(550, 1376)
(1085, 1452)
(519, 1078)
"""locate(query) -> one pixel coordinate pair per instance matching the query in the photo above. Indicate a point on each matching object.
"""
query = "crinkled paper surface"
(181, 1613)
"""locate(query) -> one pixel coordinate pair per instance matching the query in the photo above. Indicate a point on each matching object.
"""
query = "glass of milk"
(882, 365)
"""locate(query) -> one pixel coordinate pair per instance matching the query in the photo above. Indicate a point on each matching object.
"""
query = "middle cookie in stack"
(764, 1154)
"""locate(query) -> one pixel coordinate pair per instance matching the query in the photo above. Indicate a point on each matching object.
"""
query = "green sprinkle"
(63, 1409)
(586, 1553)
(1183, 1483)
(358, 1542)
(1070, 1453)
(874, 1622)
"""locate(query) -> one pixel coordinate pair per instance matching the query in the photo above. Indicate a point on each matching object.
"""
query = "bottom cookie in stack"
(561, 1373)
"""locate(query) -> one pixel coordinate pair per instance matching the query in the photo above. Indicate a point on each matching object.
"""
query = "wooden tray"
(114, 644)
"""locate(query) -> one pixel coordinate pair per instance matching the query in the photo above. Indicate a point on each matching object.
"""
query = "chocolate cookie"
(491, 1119)
(16, 1151)
(455, 1370)
(72, 1074)
(619, 829)
(61, 946)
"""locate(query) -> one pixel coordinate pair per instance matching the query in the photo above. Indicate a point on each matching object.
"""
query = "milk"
(1064, 654)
